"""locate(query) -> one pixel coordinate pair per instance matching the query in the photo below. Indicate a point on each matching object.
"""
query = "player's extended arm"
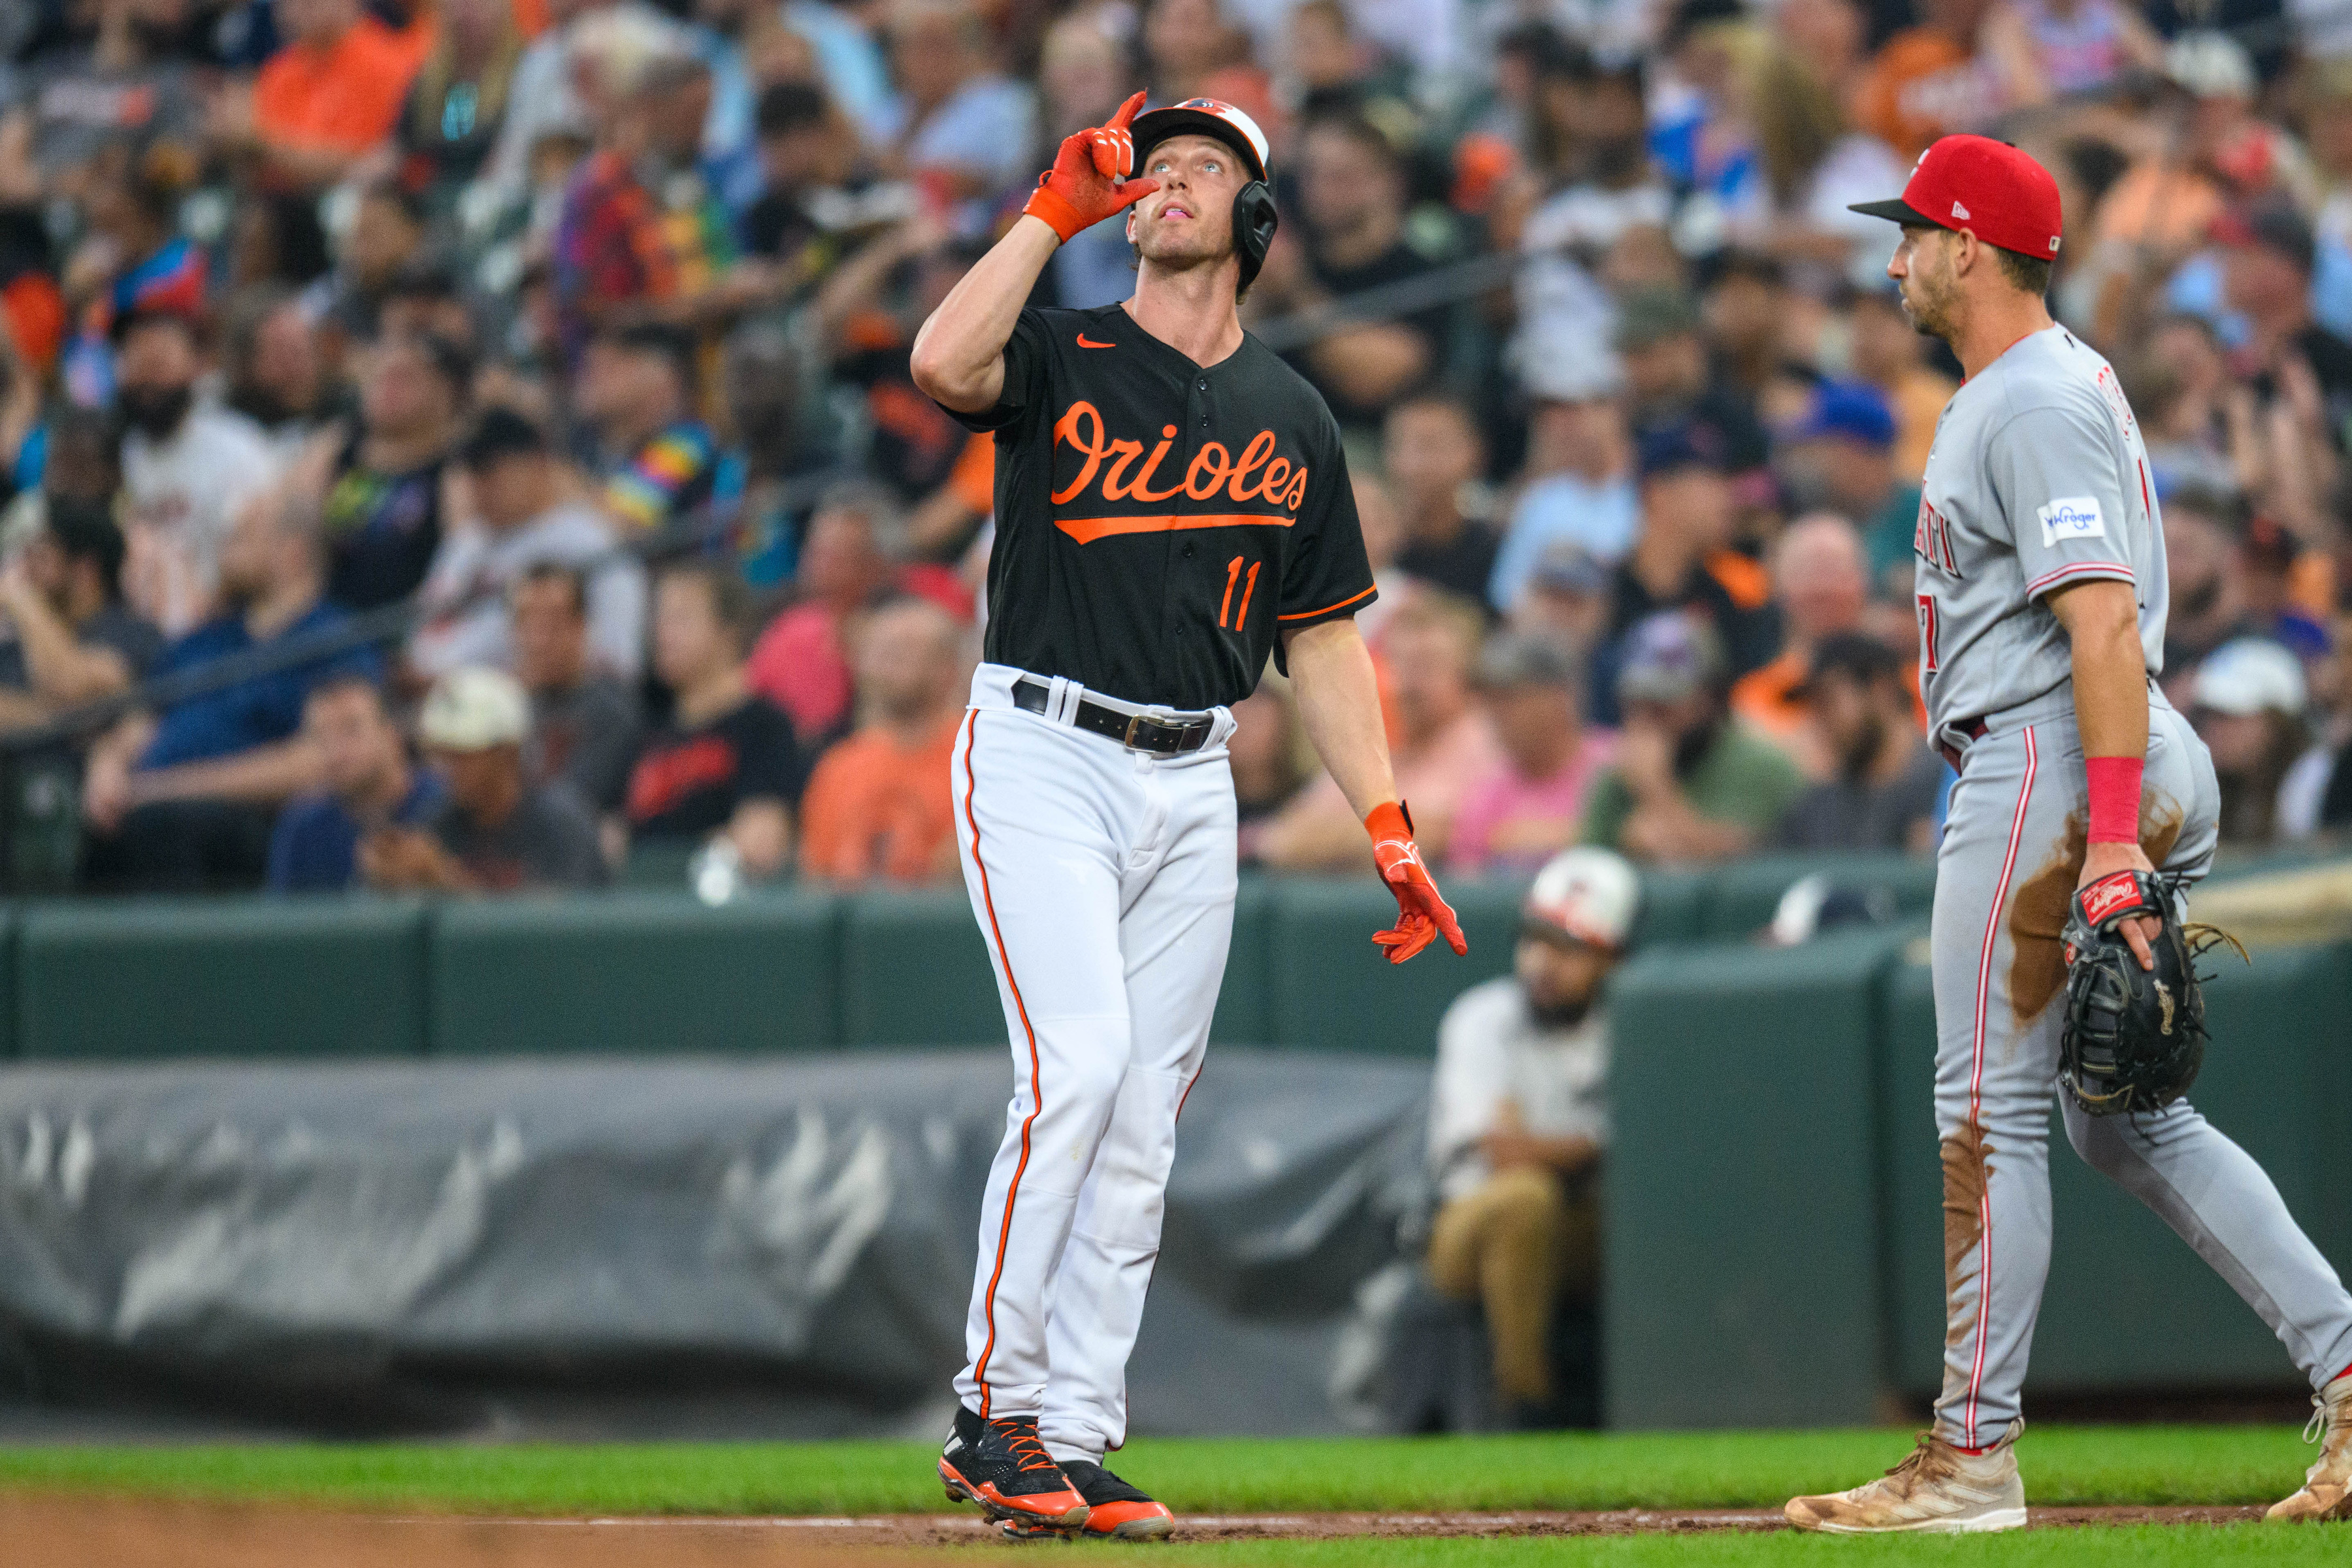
(1339, 703)
(2102, 622)
(958, 356)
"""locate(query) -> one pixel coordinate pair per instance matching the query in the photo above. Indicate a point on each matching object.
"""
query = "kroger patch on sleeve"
(2072, 517)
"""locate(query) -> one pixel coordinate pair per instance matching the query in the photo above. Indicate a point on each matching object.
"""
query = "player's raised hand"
(1090, 180)
(1423, 912)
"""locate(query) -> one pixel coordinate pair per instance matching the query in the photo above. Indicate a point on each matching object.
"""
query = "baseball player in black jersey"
(1172, 507)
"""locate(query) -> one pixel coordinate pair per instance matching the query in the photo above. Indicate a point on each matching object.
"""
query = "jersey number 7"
(1928, 632)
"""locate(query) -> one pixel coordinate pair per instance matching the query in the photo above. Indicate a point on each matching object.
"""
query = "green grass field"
(2077, 1465)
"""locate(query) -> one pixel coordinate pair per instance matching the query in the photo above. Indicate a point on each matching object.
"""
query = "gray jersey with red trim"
(2038, 479)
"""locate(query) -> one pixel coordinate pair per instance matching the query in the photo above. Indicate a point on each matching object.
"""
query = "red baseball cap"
(1988, 187)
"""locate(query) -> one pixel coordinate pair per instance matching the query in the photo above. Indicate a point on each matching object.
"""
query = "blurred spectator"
(1840, 458)
(1568, 601)
(1351, 236)
(1590, 146)
(2248, 708)
(636, 392)
(968, 129)
(131, 261)
(801, 662)
(424, 299)
(1691, 784)
(1890, 355)
(584, 720)
(1928, 81)
(726, 765)
(808, 155)
(515, 511)
(1082, 78)
(1820, 585)
(1530, 807)
(1441, 742)
(386, 234)
(75, 641)
(2196, 419)
(127, 84)
(497, 832)
(2269, 557)
(2299, 372)
(1682, 557)
(1882, 790)
(877, 806)
(1264, 753)
(766, 460)
(187, 468)
(1519, 1122)
(1434, 456)
(1669, 385)
(367, 782)
(2064, 49)
(2206, 576)
(326, 99)
(274, 367)
(386, 478)
(1580, 493)
(2161, 206)
(643, 233)
(184, 800)
(458, 99)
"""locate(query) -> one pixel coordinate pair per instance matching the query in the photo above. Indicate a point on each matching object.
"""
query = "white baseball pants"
(2013, 849)
(1103, 880)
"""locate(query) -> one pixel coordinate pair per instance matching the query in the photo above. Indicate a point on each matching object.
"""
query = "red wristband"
(2114, 798)
(1052, 206)
(1387, 820)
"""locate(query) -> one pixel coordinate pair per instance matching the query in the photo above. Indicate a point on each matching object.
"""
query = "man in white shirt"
(187, 468)
(1519, 1120)
(522, 516)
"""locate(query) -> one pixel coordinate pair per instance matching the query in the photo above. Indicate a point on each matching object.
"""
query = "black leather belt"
(1136, 731)
(1973, 728)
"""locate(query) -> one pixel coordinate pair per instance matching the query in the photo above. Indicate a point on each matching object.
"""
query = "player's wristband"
(2114, 798)
(1389, 820)
(1052, 206)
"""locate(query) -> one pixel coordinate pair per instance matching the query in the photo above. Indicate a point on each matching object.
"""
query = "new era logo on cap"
(2001, 195)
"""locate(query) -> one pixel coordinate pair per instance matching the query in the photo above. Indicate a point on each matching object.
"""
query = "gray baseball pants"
(2013, 849)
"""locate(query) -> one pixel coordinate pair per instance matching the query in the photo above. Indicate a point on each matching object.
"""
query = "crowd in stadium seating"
(583, 325)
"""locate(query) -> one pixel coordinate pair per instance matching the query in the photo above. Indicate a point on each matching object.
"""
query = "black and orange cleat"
(1002, 1467)
(1117, 1512)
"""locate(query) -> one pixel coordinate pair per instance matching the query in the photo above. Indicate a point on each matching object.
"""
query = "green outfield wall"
(1773, 1192)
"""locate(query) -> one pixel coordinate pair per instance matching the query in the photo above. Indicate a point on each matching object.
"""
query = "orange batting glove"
(1088, 179)
(1422, 912)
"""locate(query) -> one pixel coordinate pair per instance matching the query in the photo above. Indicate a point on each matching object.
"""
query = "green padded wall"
(1334, 990)
(914, 972)
(1741, 897)
(2127, 1300)
(308, 977)
(1673, 906)
(635, 972)
(1244, 1006)
(1742, 1278)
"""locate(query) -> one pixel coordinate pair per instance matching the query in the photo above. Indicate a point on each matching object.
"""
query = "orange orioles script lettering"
(1214, 474)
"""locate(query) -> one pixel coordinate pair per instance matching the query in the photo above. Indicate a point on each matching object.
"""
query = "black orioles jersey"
(1156, 522)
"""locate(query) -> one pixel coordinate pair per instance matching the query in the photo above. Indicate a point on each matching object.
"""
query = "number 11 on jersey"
(1249, 586)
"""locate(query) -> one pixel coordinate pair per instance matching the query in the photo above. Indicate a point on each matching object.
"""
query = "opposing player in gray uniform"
(2041, 589)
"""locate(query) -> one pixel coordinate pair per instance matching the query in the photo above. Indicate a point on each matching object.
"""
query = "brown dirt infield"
(81, 1530)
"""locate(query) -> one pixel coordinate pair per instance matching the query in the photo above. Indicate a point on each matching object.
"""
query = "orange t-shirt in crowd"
(344, 96)
(877, 809)
(1923, 84)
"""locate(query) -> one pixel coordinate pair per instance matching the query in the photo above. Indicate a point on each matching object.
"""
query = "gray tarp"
(449, 1244)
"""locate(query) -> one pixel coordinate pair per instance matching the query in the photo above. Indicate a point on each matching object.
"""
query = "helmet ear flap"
(1253, 224)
